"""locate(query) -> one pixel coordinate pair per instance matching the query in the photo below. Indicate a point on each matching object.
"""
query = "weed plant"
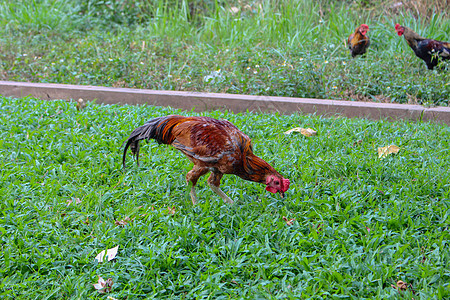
(292, 48)
(361, 223)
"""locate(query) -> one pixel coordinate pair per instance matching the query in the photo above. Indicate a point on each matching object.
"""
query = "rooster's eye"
(277, 182)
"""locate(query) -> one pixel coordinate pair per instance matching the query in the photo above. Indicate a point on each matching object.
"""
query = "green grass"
(361, 223)
(285, 48)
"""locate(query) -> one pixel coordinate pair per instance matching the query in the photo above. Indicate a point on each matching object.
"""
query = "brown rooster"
(358, 42)
(430, 51)
(215, 146)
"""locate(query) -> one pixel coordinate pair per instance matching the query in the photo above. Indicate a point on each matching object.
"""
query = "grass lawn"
(361, 223)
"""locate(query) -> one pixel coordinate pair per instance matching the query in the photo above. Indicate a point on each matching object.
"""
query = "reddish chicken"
(358, 42)
(430, 51)
(215, 146)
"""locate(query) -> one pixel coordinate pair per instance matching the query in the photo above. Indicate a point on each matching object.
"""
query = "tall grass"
(284, 22)
(39, 15)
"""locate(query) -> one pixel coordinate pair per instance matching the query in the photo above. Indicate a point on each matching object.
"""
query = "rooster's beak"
(282, 194)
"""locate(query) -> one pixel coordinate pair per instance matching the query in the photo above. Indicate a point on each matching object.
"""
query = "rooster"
(430, 51)
(358, 42)
(215, 146)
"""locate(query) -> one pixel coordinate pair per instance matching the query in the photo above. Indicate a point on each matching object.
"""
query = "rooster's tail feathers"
(159, 129)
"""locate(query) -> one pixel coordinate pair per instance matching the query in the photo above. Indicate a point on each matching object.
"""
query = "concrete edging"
(232, 102)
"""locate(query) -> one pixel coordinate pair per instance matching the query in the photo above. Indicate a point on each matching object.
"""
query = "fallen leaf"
(424, 258)
(111, 298)
(77, 201)
(357, 143)
(171, 210)
(234, 10)
(401, 286)
(103, 286)
(124, 221)
(110, 254)
(289, 222)
(319, 228)
(100, 284)
(306, 132)
(385, 151)
(80, 104)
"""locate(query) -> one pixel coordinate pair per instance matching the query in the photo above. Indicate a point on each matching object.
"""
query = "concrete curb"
(231, 102)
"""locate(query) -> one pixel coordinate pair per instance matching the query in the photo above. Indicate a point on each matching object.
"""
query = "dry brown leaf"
(77, 201)
(319, 228)
(385, 151)
(357, 143)
(401, 286)
(171, 210)
(289, 222)
(296, 129)
(124, 221)
(103, 286)
(80, 104)
(306, 132)
(234, 10)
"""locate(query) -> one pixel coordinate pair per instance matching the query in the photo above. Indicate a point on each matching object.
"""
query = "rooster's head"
(277, 184)
(363, 29)
(400, 29)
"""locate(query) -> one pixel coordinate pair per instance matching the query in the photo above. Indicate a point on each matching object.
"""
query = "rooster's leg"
(191, 179)
(214, 182)
(193, 194)
(222, 195)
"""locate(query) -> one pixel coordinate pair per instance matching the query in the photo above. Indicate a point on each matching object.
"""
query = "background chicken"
(427, 49)
(215, 146)
(358, 42)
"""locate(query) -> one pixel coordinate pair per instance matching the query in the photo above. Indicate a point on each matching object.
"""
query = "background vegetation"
(361, 223)
(284, 48)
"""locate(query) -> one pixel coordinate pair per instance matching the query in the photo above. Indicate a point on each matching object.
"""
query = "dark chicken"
(430, 51)
(358, 42)
(215, 146)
